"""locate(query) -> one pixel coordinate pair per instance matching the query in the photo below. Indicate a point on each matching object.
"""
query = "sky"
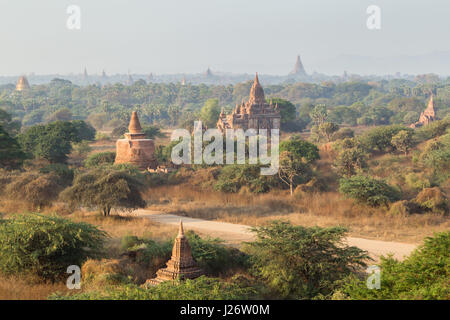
(238, 36)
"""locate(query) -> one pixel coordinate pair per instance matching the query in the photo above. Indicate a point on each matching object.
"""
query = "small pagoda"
(181, 265)
(136, 148)
(22, 84)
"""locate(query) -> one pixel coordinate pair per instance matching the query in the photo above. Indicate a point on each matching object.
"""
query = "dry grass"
(13, 288)
(315, 209)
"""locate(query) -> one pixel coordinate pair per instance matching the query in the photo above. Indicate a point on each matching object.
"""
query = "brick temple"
(256, 113)
(427, 116)
(135, 148)
(181, 265)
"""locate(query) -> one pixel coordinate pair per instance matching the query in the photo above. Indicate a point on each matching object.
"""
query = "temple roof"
(298, 68)
(180, 230)
(256, 92)
(135, 125)
(22, 84)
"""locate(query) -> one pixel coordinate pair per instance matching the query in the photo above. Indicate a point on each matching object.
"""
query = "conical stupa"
(256, 92)
(22, 84)
(135, 148)
(298, 68)
(181, 265)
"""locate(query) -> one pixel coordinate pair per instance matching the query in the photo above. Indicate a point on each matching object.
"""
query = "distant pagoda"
(22, 84)
(181, 265)
(427, 116)
(298, 68)
(208, 73)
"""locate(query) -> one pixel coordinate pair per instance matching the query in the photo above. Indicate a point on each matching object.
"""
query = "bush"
(379, 138)
(202, 288)
(432, 199)
(46, 246)
(99, 159)
(423, 275)
(233, 177)
(400, 208)
(302, 263)
(37, 189)
(367, 190)
(213, 257)
(62, 171)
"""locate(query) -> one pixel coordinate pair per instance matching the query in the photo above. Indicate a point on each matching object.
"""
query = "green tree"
(293, 170)
(287, 109)
(367, 190)
(301, 149)
(319, 114)
(11, 155)
(12, 127)
(421, 276)
(327, 129)
(45, 246)
(100, 159)
(105, 189)
(152, 132)
(350, 161)
(403, 141)
(302, 263)
(210, 113)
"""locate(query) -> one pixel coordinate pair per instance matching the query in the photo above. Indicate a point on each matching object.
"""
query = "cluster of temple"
(181, 265)
(256, 113)
(427, 116)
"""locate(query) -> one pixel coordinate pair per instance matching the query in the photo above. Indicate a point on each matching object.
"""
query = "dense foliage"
(45, 246)
(302, 263)
(423, 275)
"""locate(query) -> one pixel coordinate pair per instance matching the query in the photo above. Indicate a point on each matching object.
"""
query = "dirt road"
(236, 233)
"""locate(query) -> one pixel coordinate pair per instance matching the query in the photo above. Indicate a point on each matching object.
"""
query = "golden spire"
(135, 126)
(22, 84)
(256, 92)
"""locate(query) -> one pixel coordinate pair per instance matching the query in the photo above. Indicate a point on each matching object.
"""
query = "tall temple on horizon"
(299, 70)
(256, 113)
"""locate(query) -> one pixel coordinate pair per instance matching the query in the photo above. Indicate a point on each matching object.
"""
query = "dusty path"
(236, 233)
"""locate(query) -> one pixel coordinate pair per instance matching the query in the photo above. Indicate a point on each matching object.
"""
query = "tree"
(63, 114)
(349, 161)
(100, 159)
(11, 155)
(367, 190)
(45, 246)
(105, 189)
(403, 141)
(293, 170)
(12, 127)
(327, 129)
(287, 109)
(422, 275)
(152, 132)
(210, 113)
(302, 263)
(319, 114)
(301, 149)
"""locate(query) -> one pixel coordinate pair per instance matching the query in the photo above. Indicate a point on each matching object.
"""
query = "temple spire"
(135, 125)
(180, 230)
(298, 68)
(256, 92)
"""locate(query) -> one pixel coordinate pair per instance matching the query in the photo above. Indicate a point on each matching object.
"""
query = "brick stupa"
(181, 265)
(135, 149)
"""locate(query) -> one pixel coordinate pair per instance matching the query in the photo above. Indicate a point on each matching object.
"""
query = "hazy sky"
(176, 36)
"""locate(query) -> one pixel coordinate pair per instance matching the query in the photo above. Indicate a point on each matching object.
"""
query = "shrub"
(213, 257)
(432, 199)
(367, 190)
(233, 177)
(417, 181)
(37, 189)
(343, 133)
(99, 159)
(105, 189)
(46, 246)
(423, 275)
(62, 171)
(202, 288)
(302, 263)
(379, 138)
(400, 208)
